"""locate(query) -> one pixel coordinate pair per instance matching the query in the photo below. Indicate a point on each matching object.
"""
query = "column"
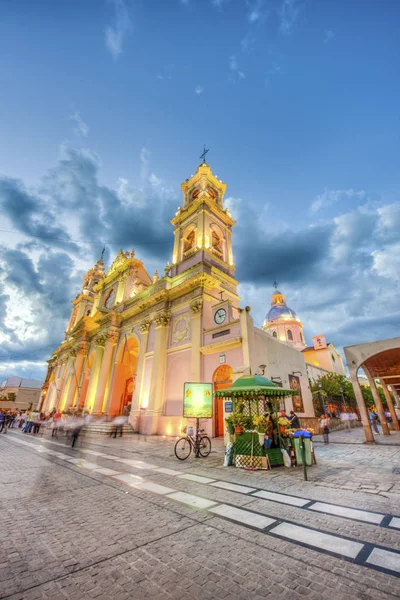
(378, 402)
(60, 381)
(389, 401)
(134, 416)
(100, 342)
(396, 397)
(105, 368)
(121, 288)
(137, 392)
(78, 357)
(195, 366)
(366, 423)
(175, 254)
(149, 421)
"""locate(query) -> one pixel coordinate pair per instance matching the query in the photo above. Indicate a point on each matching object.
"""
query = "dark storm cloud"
(290, 255)
(31, 215)
(123, 217)
(47, 289)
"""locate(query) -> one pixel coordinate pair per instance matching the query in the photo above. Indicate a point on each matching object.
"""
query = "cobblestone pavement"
(72, 530)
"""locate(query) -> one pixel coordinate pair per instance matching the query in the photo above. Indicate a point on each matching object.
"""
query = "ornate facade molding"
(101, 339)
(83, 348)
(112, 336)
(145, 326)
(162, 319)
(197, 306)
(181, 328)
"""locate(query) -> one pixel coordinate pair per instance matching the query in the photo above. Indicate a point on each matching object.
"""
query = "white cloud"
(234, 67)
(329, 35)
(81, 127)
(329, 197)
(199, 90)
(144, 163)
(288, 13)
(387, 262)
(115, 34)
(256, 10)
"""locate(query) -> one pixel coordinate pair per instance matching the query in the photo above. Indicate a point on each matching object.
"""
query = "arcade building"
(132, 340)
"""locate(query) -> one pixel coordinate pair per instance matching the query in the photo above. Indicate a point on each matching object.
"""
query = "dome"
(281, 312)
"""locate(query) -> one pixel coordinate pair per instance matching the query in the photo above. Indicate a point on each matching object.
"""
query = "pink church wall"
(233, 358)
(178, 372)
(234, 331)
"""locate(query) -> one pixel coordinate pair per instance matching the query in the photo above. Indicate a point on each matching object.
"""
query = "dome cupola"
(282, 322)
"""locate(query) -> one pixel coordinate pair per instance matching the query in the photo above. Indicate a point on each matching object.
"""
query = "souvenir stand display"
(260, 432)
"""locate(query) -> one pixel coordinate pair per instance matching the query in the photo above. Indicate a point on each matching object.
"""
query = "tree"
(334, 388)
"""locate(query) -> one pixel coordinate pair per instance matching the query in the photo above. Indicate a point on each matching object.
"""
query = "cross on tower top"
(203, 155)
(275, 284)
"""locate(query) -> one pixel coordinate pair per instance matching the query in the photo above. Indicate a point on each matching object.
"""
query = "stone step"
(105, 428)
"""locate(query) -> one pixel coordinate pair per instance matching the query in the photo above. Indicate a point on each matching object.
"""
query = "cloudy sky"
(105, 107)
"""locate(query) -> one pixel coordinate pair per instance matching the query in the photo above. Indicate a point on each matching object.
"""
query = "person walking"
(324, 423)
(3, 422)
(373, 417)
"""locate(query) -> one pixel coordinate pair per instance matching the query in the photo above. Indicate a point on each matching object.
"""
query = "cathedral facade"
(134, 340)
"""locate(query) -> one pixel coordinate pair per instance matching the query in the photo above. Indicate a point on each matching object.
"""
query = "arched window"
(195, 194)
(110, 299)
(274, 334)
(216, 244)
(188, 242)
(301, 337)
(290, 335)
(333, 358)
(211, 193)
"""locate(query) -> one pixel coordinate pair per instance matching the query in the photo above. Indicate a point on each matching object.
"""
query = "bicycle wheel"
(183, 448)
(204, 446)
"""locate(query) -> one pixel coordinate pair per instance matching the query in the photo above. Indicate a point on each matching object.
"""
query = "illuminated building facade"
(133, 340)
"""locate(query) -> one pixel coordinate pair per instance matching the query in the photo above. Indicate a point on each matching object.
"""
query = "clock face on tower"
(220, 316)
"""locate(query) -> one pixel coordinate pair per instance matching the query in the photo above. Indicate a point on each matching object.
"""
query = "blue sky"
(105, 107)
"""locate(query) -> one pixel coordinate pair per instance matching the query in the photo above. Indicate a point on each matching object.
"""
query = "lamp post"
(321, 399)
(343, 400)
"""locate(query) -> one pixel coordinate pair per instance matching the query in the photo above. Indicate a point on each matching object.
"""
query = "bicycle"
(201, 444)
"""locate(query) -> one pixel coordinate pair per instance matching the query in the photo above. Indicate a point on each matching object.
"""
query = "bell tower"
(203, 227)
(83, 303)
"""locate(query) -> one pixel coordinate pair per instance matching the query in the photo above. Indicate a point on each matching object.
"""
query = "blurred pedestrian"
(373, 417)
(118, 426)
(324, 423)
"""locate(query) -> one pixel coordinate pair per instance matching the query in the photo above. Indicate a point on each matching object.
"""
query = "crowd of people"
(66, 423)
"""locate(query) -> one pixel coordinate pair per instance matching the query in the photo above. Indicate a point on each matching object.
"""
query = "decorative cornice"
(223, 345)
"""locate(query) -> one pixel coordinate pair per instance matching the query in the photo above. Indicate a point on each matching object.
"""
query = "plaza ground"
(124, 519)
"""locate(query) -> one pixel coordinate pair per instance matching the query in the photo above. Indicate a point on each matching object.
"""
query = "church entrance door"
(222, 379)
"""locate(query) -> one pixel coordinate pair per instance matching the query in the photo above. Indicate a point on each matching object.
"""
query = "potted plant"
(237, 420)
(229, 424)
(259, 424)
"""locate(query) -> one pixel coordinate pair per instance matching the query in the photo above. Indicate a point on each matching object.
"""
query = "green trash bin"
(307, 445)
